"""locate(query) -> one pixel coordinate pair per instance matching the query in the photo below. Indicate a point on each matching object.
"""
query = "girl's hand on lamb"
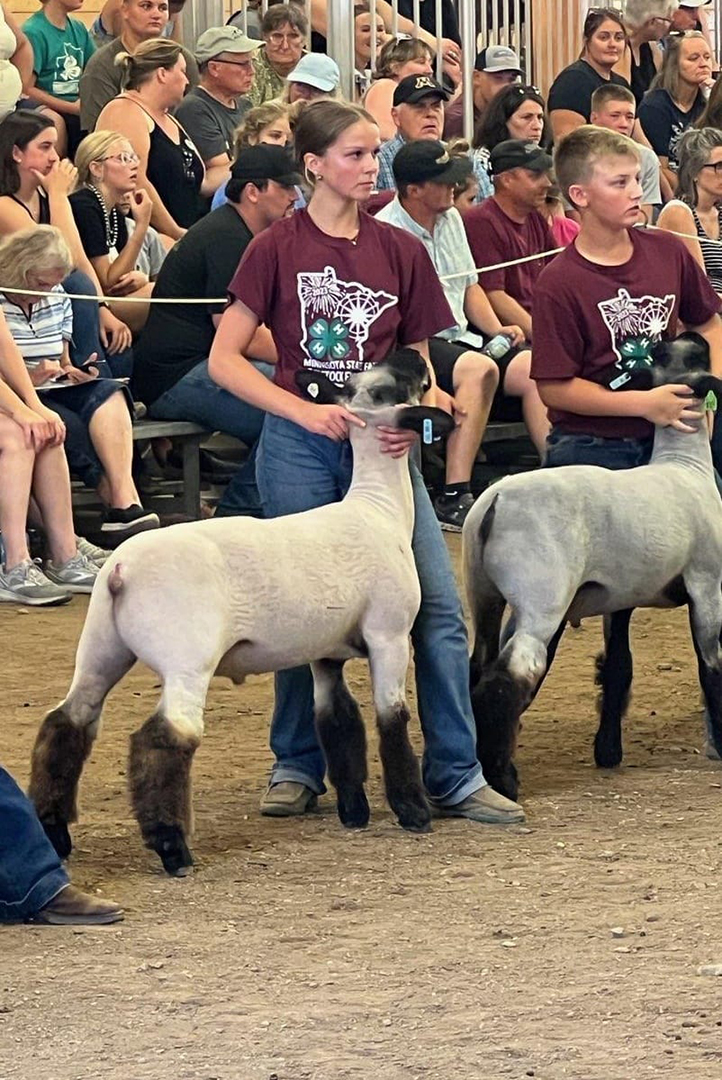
(329, 420)
(671, 406)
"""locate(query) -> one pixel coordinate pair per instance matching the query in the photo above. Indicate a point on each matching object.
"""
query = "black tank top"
(642, 73)
(176, 172)
(43, 209)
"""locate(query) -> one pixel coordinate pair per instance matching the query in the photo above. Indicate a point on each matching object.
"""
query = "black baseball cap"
(415, 88)
(265, 162)
(423, 160)
(519, 154)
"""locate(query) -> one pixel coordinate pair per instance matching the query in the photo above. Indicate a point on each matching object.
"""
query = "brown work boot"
(71, 907)
(485, 805)
(289, 798)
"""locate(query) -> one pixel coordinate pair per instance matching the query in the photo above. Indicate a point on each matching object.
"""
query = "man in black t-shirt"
(171, 368)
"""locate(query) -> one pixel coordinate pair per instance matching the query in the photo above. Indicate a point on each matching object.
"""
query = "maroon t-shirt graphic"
(589, 317)
(338, 306)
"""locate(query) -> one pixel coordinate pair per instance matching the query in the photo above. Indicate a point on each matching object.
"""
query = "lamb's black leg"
(614, 675)
(343, 739)
(705, 616)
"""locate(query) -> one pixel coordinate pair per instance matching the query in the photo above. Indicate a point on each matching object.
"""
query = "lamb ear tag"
(710, 402)
(312, 389)
(428, 432)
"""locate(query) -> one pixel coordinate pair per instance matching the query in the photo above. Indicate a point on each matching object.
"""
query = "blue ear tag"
(428, 432)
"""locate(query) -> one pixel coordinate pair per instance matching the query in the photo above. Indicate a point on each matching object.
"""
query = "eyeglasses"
(123, 158)
(716, 165)
(285, 39)
(234, 63)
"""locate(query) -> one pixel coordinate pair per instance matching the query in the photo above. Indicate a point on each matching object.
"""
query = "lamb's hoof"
(413, 812)
(353, 810)
(169, 843)
(59, 836)
(607, 755)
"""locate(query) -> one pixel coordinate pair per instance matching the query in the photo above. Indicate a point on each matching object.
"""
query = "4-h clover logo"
(635, 352)
(328, 339)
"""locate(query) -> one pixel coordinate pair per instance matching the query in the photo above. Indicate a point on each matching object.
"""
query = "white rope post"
(467, 30)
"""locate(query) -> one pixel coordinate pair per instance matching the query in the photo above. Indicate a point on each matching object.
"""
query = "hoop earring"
(310, 180)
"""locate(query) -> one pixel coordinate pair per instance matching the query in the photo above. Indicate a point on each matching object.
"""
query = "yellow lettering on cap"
(423, 81)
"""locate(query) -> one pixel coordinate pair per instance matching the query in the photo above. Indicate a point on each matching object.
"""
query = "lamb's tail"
(115, 580)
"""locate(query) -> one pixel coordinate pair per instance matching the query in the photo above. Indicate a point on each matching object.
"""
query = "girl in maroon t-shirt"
(339, 290)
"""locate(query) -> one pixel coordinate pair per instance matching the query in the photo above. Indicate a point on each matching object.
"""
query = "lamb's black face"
(673, 360)
(402, 379)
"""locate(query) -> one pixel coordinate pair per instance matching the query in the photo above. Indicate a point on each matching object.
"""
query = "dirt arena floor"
(569, 947)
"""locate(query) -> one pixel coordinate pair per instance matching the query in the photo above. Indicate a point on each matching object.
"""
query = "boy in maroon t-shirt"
(603, 303)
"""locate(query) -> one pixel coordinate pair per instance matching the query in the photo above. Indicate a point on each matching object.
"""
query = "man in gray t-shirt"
(141, 20)
(212, 111)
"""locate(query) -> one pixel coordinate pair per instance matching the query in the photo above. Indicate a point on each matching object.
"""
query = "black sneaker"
(451, 513)
(133, 519)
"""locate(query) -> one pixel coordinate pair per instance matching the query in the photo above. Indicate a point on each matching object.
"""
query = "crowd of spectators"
(182, 153)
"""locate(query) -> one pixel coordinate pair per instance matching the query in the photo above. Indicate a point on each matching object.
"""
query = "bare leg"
(476, 378)
(51, 488)
(16, 473)
(519, 383)
(133, 315)
(111, 433)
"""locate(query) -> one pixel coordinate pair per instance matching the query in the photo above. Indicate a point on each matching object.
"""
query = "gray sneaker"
(77, 575)
(485, 805)
(96, 554)
(27, 584)
(288, 798)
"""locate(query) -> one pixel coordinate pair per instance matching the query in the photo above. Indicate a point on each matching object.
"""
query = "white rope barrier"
(223, 299)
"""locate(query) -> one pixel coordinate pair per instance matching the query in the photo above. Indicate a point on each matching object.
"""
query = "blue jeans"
(298, 471)
(30, 871)
(86, 330)
(595, 450)
(198, 398)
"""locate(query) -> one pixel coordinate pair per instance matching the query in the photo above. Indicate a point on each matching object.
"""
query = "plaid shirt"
(390, 149)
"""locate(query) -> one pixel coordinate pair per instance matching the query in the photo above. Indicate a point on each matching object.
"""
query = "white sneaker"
(27, 584)
(77, 575)
(96, 554)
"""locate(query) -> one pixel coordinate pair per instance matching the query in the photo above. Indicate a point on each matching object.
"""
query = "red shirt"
(587, 317)
(338, 306)
(495, 238)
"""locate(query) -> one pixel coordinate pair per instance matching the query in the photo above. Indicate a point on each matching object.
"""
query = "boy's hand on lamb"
(671, 406)
(329, 420)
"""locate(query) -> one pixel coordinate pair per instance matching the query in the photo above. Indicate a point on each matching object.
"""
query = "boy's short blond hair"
(580, 150)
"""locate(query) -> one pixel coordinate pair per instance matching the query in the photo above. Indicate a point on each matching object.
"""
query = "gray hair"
(693, 151)
(39, 249)
(637, 12)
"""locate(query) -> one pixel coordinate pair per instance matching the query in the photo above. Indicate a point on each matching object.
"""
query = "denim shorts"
(84, 399)
(607, 453)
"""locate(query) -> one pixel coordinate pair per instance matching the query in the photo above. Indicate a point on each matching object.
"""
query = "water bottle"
(498, 347)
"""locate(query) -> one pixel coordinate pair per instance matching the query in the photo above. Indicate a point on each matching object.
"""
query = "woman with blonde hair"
(96, 411)
(268, 123)
(169, 166)
(107, 174)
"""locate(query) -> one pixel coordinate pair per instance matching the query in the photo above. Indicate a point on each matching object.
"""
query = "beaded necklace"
(111, 219)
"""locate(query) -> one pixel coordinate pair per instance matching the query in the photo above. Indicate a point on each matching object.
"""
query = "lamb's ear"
(318, 387)
(430, 423)
(702, 383)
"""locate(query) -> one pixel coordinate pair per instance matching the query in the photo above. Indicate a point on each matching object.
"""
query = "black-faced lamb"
(559, 545)
(236, 596)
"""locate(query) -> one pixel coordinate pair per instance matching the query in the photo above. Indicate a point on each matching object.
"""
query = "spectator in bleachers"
(141, 20)
(16, 62)
(171, 373)
(211, 111)
(495, 67)
(95, 411)
(712, 115)
(510, 226)
(363, 45)
(107, 173)
(170, 168)
(284, 28)
(691, 17)
(425, 179)
(109, 24)
(516, 112)
(398, 58)
(34, 187)
(62, 47)
(677, 99)
(562, 228)
(646, 22)
(314, 76)
(33, 461)
(614, 107)
(268, 123)
(418, 112)
(466, 188)
(570, 96)
(697, 210)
